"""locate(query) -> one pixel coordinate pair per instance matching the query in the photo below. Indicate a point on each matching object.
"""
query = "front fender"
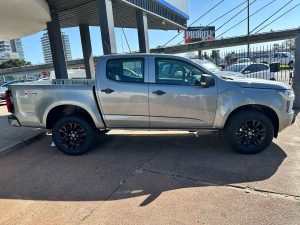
(230, 100)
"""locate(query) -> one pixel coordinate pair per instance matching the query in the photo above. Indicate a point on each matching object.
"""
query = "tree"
(205, 56)
(229, 58)
(14, 63)
(215, 55)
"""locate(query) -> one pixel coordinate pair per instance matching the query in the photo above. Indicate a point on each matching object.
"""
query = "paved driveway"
(162, 178)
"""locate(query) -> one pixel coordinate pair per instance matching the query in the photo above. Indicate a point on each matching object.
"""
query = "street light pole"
(248, 38)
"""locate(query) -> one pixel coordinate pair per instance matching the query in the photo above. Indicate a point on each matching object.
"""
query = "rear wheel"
(73, 135)
(250, 132)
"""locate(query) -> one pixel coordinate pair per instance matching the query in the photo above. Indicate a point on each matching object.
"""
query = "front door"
(176, 99)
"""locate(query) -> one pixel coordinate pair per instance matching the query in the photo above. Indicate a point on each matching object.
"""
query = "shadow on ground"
(125, 166)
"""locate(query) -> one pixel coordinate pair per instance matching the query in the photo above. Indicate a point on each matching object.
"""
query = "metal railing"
(258, 62)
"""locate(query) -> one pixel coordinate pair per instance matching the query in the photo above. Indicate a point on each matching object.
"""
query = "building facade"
(5, 47)
(12, 49)
(16, 46)
(47, 50)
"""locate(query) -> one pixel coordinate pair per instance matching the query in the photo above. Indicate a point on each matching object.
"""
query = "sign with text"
(194, 34)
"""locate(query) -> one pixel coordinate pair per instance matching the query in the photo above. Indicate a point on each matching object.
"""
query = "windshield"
(207, 65)
(235, 68)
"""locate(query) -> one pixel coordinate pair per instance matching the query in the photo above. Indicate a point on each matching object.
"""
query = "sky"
(33, 49)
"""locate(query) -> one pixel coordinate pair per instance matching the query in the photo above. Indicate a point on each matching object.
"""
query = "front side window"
(169, 71)
(125, 70)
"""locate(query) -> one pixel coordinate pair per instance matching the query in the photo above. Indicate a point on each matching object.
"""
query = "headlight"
(289, 92)
(288, 95)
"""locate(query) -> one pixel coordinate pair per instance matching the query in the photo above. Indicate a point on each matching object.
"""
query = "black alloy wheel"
(74, 135)
(249, 131)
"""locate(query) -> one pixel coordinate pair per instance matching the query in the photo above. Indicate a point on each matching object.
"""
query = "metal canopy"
(75, 12)
(21, 18)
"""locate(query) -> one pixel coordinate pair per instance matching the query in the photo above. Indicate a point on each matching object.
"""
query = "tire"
(73, 135)
(249, 132)
(273, 79)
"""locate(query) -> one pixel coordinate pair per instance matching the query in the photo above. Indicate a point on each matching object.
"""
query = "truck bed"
(34, 100)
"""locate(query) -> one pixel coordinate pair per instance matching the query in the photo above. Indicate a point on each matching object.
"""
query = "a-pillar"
(87, 51)
(56, 45)
(107, 27)
(142, 27)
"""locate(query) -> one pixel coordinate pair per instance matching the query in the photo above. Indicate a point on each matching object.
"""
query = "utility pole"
(248, 38)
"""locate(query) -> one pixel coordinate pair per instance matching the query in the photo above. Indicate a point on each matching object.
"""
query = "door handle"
(159, 92)
(107, 91)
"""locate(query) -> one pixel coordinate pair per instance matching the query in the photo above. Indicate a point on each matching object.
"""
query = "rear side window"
(125, 70)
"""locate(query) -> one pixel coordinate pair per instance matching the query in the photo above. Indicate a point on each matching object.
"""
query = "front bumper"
(13, 121)
(286, 120)
(294, 119)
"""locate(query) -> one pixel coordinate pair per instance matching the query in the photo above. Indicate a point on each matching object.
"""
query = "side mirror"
(246, 72)
(274, 67)
(207, 81)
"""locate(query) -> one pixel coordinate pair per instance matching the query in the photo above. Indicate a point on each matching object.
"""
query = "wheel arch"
(267, 111)
(54, 112)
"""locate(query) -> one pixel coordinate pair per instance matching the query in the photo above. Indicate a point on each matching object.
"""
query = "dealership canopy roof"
(23, 17)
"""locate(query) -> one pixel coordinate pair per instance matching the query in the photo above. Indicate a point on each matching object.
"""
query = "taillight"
(9, 104)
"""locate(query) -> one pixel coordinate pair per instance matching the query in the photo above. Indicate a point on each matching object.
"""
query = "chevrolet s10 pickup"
(154, 92)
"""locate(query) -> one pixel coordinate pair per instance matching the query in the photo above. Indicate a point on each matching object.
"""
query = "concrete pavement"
(14, 137)
(157, 178)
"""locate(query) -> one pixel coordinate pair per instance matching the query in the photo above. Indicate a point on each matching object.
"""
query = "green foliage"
(14, 63)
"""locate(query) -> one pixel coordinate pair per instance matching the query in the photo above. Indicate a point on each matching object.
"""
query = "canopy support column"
(296, 79)
(87, 51)
(107, 27)
(142, 26)
(56, 45)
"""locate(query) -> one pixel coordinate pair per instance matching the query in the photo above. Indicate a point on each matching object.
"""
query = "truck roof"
(128, 55)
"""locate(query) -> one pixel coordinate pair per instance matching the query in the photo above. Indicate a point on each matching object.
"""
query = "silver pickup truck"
(154, 92)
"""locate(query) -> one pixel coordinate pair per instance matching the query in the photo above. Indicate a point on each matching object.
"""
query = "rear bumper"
(13, 121)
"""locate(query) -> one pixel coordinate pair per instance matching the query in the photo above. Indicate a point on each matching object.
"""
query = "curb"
(20, 144)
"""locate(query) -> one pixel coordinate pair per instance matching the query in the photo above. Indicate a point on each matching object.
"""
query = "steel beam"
(107, 27)
(87, 51)
(142, 27)
(296, 78)
(56, 45)
(230, 42)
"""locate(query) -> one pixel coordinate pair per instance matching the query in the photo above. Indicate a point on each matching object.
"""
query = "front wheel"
(249, 132)
(73, 135)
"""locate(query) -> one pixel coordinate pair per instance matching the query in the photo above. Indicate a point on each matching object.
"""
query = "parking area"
(13, 137)
(153, 178)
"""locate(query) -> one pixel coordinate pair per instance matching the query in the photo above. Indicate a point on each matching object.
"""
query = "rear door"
(176, 100)
(123, 92)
